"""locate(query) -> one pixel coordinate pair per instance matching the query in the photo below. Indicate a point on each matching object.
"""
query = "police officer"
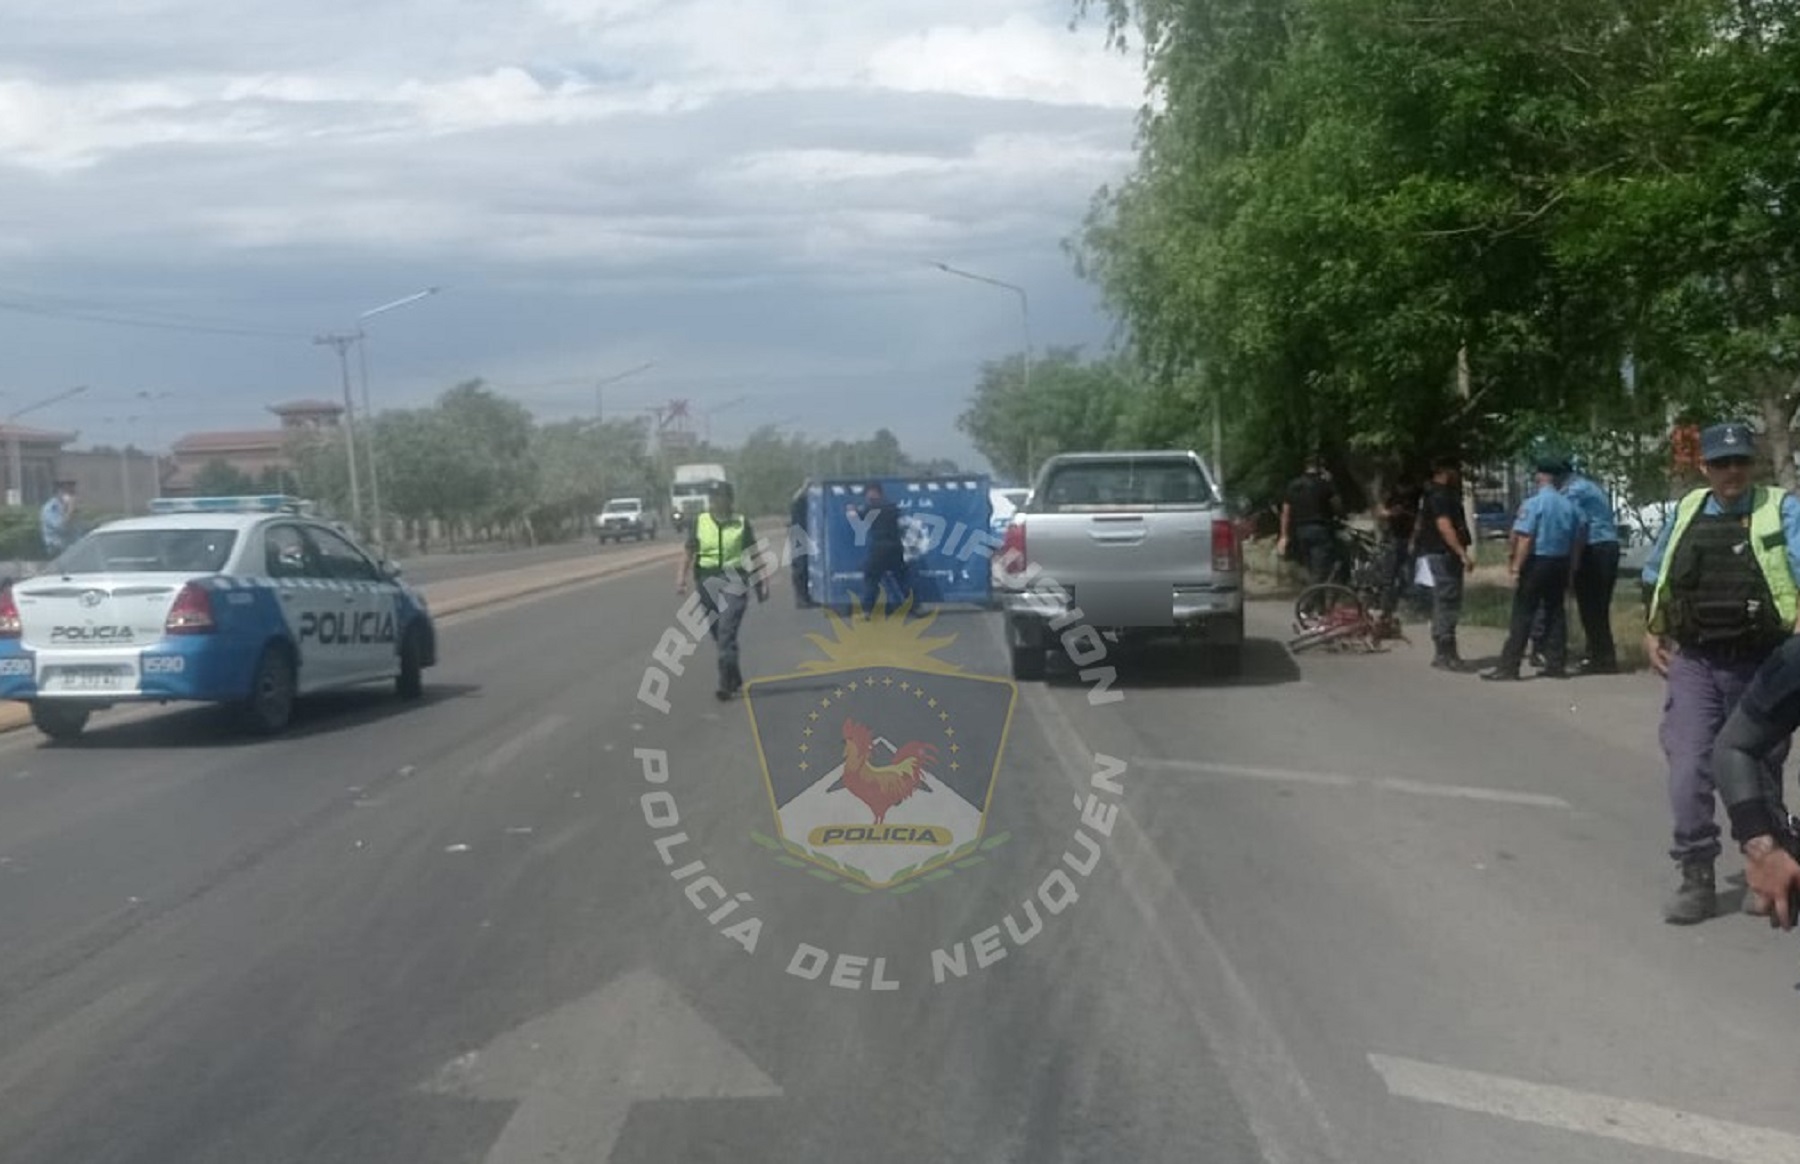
(1596, 574)
(1722, 585)
(1441, 540)
(1309, 521)
(56, 520)
(801, 566)
(1546, 547)
(1746, 767)
(720, 559)
(886, 558)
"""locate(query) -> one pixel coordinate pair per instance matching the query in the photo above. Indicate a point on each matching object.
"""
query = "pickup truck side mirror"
(390, 570)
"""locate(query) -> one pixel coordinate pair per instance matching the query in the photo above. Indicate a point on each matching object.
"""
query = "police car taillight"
(10, 626)
(192, 613)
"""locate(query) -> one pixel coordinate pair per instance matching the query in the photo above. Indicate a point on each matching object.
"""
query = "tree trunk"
(1776, 400)
(1465, 388)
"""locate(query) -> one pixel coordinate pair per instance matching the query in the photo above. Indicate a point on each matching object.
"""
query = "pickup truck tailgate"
(1129, 540)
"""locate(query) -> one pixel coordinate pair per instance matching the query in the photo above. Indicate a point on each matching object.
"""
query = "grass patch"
(1489, 604)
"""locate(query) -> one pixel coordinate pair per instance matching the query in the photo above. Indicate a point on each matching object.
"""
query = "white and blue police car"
(245, 601)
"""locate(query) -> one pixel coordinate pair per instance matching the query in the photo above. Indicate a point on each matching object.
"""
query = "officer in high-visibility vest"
(1722, 587)
(721, 561)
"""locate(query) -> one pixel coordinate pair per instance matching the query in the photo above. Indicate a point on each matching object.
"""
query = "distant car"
(1492, 520)
(249, 602)
(625, 517)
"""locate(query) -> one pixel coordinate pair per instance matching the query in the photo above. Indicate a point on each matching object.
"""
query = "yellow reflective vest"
(1768, 541)
(720, 546)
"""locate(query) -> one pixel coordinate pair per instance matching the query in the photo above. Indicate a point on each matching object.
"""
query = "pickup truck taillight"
(192, 613)
(10, 625)
(1225, 546)
(1012, 548)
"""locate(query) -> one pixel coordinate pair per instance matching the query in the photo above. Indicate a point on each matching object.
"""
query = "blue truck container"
(946, 520)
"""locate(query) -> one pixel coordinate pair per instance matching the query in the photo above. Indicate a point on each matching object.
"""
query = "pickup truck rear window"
(1126, 485)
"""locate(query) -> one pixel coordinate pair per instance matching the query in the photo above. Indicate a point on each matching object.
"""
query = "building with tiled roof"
(250, 451)
(35, 451)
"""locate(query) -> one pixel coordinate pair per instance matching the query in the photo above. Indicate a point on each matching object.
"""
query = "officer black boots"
(1446, 658)
(1696, 898)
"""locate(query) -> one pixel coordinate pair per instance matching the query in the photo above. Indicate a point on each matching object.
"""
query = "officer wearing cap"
(720, 559)
(1547, 545)
(1597, 573)
(1722, 588)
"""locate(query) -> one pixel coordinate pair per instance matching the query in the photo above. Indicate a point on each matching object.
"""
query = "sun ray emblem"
(880, 757)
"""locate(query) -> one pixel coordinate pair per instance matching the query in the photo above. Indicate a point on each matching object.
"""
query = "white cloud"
(579, 147)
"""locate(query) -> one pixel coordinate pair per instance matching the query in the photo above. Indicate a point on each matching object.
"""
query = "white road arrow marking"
(577, 1070)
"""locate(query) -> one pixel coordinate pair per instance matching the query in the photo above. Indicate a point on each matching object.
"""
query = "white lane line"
(1643, 1124)
(1341, 780)
(512, 749)
(1287, 1120)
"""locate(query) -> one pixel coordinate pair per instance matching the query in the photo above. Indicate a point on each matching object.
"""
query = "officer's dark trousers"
(1595, 580)
(1315, 544)
(885, 564)
(726, 597)
(1543, 587)
(802, 579)
(1703, 690)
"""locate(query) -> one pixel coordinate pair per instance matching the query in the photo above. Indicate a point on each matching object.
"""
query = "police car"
(245, 601)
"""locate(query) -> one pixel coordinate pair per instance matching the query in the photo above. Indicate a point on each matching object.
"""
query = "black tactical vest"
(1718, 597)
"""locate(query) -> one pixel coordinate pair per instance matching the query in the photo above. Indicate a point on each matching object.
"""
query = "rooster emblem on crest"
(881, 786)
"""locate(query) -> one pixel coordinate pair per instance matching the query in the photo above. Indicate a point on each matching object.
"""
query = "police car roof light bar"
(265, 503)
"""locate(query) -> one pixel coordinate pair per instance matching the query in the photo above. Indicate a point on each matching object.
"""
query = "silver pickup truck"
(1134, 544)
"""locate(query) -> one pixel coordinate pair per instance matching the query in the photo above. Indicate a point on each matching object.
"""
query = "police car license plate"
(89, 679)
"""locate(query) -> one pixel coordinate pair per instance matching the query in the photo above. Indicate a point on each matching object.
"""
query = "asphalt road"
(1351, 911)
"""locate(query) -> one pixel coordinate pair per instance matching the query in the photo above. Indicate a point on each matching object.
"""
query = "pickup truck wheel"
(59, 721)
(1028, 664)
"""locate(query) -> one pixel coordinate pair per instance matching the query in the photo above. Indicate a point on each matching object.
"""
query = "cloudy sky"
(745, 192)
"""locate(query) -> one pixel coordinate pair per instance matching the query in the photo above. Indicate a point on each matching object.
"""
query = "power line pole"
(342, 344)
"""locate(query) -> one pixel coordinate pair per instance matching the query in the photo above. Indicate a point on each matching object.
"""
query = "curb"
(497, 595)
(15, 715)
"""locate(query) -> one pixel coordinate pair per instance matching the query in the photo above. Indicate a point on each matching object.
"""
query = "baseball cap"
(1731, 439)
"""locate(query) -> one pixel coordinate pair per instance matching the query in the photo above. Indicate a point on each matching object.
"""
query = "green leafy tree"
(219, 478)
(1070, 405)
(1350, 228)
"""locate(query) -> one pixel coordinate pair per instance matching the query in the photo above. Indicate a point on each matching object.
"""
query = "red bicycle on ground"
(1347, 615)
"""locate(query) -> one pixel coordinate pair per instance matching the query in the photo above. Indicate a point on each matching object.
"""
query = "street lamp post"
(156, 461)
(600, 414)
(125, 493)
(362, 357)
(342, 343)
(1025, 316)
(15, 494)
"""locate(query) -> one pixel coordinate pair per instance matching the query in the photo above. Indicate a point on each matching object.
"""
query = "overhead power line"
(147, 322)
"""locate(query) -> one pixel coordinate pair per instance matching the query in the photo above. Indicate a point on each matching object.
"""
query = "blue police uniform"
(1705, 687)
(1555, 528)
(1596, 576)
